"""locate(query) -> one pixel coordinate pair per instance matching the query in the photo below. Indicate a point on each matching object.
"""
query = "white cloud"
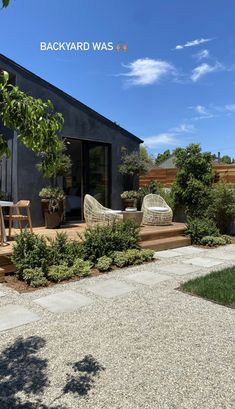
(230, 108)
(205, 69)
(202, 54)
(193, 43)
(160, 139)
(184, 128)
(147, 71)
(170, 137)
(200, 109)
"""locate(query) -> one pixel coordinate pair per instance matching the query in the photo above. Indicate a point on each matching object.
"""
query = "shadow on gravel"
(83, 380)
(24, 373)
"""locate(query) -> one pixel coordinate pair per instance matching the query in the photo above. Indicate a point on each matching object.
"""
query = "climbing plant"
(36, 123)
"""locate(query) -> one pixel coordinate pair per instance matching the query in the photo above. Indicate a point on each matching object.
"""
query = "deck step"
(162, 233)
(166, 243)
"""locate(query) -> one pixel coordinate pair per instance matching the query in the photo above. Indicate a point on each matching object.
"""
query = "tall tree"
(5, 3)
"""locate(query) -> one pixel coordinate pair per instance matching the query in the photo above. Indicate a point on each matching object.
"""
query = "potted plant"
(52, 202)
(130, 198)
(53, 197)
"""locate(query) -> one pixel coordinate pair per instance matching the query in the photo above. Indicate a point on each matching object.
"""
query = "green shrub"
(30, 251)
(212, 241)
(134, 256)
(104, 240)
(35, 277)
(64, 250)
(147, 254)
(120, 258)
(199, 228)
(81, 268)
(104, 263)
(222, 206)
(59, 273)
(194, 179)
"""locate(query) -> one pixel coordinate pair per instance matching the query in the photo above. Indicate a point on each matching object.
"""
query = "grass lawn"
(218, 286)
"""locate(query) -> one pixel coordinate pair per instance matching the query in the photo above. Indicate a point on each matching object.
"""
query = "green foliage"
(52, 193)
(218, 286)
(199, 228)
(222, 206)
(60, 166)
(59, 272)
(213, 241)
(36, 123)
(132, 256)
(35, 277)
(81, 268)
(194, 179)
(104, 263)
(147, 254)
(162, 156)
(145, 155)
(227, 159)
(30, 251)
(5, 3)
(133, 163)
(104, 240)
(130, 194)
(120, 258)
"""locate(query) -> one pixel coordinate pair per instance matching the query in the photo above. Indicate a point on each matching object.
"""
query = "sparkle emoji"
(124, 47)
(118, 47)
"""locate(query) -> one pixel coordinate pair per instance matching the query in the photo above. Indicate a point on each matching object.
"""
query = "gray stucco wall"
(80, 123)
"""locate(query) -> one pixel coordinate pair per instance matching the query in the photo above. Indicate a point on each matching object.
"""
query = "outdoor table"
(4, 203)
(136, 216)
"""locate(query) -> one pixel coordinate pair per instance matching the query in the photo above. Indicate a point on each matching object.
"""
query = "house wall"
(21, 177)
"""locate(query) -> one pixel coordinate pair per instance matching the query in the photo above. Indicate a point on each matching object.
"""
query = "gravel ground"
(154, 347)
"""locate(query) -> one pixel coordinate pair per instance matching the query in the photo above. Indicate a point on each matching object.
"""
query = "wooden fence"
(167, 176)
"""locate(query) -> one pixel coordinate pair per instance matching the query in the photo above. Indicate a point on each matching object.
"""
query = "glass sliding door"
(73, 181)
(96, 170)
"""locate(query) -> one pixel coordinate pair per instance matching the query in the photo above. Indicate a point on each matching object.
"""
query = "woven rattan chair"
(156, 211)
(18, 216)
(95, 213)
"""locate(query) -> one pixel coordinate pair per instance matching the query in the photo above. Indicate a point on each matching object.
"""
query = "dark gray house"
(93, 142)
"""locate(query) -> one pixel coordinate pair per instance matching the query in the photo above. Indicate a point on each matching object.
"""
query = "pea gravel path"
(148, 346)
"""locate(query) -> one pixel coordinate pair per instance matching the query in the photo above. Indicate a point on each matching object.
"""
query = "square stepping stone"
(203, 262)
(188, 250)
(12, 316)
(2, 294)
(66, 301)
(167, 254)
(227, 256)
(178, 269)
(147, 277)
(109, 288)
(229, 248)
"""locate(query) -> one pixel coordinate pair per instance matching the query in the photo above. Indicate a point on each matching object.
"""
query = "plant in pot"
(130, 198)
(53, 197)
(132, 166)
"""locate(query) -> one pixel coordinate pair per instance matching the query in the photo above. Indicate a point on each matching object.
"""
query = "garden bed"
(218, 287)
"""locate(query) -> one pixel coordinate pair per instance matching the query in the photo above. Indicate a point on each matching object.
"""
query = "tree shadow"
(80, 384)
(23, 372)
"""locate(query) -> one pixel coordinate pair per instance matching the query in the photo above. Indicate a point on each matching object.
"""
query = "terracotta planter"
(53, 212)
(129, 203)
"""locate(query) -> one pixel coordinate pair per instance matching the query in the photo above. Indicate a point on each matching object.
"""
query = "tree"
(162, 156)
(194, 179)
(5, 3)
(36, 123)
(227, 159)
(133, 163)
(145, 155)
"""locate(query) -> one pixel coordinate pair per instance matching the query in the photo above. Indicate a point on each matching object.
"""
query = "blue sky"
(174, 85)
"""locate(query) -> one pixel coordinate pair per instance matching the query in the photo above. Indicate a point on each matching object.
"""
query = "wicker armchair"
(95, 213)
(156, 211)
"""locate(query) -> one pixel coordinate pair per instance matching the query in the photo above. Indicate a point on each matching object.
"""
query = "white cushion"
(158, 209)
(113, 211)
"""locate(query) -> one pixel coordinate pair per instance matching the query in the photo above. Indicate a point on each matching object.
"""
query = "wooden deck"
(147, 233)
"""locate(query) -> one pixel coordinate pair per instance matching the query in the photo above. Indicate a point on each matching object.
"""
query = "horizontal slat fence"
(167, 176)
